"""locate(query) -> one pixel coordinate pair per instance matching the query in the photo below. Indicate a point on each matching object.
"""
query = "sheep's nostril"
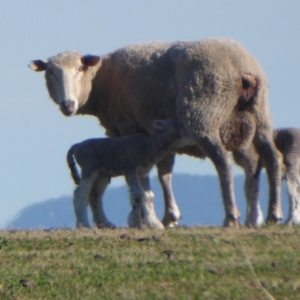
(68, 105)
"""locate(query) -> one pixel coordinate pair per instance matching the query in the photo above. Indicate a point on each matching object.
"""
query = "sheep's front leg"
(272, 161)
(213, 149)
(81, 200)
(172, 213)
(249, 160)
(293, 189)
(96, 202)
(137, 198)
(148, 210)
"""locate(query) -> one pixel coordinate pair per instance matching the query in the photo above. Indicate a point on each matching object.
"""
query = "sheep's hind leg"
(271, 158)
(80, 201)
(148, 210)
(172, 213)
(96, 202)
(249, 160)
(293, 190)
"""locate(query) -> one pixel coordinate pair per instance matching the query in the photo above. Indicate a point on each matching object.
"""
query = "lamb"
(287, 141)
(207, 84)
(132, 156)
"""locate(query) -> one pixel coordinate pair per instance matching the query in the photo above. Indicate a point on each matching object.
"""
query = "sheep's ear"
(38, 65)
(161, 124)
(90, 60)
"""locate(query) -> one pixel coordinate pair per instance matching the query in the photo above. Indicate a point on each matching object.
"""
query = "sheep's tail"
(72, 165)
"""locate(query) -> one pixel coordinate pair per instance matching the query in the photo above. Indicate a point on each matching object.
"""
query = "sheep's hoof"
(292, 221)
(106, 225)
(232, 221)
(134, 219)
(272, 219)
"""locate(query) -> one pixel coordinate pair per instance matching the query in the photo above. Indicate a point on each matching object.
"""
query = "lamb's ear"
(161, 124)
(90, 60)
(38, 65)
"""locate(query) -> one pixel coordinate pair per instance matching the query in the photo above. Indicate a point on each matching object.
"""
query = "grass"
(180, 263)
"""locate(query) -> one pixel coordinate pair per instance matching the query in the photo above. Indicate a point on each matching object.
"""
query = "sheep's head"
(69, 78)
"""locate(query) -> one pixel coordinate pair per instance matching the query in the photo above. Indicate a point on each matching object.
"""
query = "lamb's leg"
(271, 158)
(96, 202)
(137, 198)
(293, 189)
(249, 160)
(172, 213)
(150, 218)
(81, 200)
(213, 149)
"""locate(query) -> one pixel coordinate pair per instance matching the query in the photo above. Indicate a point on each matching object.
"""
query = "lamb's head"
(68, 78)
(175, 130)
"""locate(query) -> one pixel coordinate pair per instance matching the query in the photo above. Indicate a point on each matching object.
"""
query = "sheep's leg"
(137, 198)
(293, 190)
(148, 210)
(81, 200)
(271, 158)
(220, 158)
(249, 160)
(96, 202)
(172, 213)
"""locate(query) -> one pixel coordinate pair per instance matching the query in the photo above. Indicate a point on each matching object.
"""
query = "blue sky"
(35, 135)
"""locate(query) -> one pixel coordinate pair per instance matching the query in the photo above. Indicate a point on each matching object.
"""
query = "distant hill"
(198, 197)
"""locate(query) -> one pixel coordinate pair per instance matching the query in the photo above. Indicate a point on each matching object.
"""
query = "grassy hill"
(180, 263)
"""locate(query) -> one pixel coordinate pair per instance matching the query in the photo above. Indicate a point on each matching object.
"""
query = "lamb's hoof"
(171, 220)
(134, 219)
(255, 218)
(155, 224)
(81, 225)
(255, 222)
(171, 225)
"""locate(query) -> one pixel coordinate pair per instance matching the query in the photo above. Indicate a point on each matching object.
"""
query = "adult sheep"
(207, 84)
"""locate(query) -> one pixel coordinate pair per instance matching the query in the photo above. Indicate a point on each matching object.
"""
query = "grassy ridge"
(182, 263)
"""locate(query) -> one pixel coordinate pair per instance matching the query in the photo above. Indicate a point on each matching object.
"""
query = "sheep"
(287, 141)
(132, 156)
(207, 84)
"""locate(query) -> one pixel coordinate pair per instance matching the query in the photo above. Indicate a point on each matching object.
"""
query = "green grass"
(204, 263)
